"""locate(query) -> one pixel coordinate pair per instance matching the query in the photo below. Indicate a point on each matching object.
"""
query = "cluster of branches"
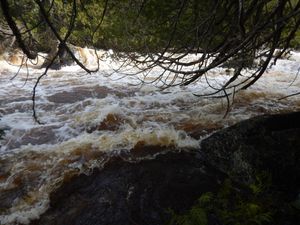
(25, 38)
(233, 33)
(246, 35)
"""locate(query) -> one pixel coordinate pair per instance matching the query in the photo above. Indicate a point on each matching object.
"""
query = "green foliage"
(295, 43)
(231, 206)
(137, 25)
(195, 216)
(262, 183)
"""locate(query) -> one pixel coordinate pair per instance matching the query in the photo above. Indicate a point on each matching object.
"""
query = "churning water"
(88, 117)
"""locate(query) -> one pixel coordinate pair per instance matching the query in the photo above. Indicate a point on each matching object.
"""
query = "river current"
(88, 117)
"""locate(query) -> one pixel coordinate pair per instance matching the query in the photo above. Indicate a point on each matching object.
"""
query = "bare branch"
(10, 21)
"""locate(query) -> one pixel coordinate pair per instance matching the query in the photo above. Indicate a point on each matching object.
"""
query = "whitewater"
(89, 117)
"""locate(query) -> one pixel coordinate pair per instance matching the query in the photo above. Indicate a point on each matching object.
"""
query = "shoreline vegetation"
(134, 28)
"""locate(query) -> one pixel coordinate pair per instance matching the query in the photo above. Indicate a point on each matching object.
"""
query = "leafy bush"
(230, 206)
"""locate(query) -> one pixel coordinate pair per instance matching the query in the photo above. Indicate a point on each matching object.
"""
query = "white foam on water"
(88, 115)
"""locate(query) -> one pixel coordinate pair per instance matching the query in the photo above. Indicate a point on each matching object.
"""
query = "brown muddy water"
(87, 118)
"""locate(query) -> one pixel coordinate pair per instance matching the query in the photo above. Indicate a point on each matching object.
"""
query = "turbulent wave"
(88, 117)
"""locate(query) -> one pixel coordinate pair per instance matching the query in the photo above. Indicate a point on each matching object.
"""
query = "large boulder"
(141, 192)
(133, 192)
(262, 144)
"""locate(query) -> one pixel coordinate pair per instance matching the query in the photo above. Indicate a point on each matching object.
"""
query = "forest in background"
(137, 25)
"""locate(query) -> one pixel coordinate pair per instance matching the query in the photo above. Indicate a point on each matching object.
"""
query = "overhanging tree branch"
(10, 21)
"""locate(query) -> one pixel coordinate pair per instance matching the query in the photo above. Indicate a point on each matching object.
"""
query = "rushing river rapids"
(88, 117)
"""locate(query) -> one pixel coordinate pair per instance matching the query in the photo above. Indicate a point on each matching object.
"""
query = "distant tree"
(235, 33)
(151, 33)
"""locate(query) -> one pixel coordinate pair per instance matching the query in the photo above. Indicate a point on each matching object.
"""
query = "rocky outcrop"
(141, 192)
(266, 143)
(133, 192)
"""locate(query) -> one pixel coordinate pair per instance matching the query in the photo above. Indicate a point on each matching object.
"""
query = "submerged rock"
(141, 192)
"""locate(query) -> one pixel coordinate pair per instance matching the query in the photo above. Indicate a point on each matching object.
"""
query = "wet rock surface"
(133, 193)
(266, 143)
(142, 192)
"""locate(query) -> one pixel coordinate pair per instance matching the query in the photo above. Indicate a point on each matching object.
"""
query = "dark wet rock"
(133, 193)
(141, 192)
(266, 143)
